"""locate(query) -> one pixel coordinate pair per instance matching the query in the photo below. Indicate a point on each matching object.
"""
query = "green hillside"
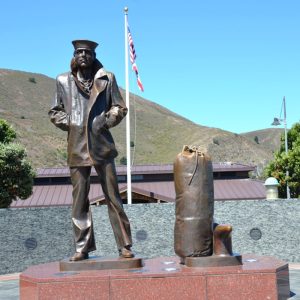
(158, 134)
(267, 138)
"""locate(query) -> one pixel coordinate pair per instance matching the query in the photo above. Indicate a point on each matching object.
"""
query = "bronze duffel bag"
(193, 177)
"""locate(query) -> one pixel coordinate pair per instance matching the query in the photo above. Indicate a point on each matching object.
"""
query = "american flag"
(133, 58)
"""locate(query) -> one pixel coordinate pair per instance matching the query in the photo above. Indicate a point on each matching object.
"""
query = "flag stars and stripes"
(133, 58)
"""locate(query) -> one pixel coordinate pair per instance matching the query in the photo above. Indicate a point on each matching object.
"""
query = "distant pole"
(288, 195)
(129, 194)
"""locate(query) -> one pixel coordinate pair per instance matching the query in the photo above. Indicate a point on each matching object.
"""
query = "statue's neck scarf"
(85, 85)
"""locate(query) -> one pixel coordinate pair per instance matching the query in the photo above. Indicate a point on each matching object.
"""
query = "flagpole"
(129, 194)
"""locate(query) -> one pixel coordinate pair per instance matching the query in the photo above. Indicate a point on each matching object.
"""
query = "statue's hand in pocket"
(99, 122)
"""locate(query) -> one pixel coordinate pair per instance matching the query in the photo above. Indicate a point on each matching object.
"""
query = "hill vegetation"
(157, 134)
(266, 138)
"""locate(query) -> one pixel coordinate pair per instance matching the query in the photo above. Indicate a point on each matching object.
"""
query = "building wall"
(39, 235)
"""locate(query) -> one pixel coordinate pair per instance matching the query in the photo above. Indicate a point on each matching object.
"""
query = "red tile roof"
(146, 169)
(58, 195)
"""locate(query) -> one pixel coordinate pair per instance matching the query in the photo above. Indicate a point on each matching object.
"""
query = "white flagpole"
(129, 194)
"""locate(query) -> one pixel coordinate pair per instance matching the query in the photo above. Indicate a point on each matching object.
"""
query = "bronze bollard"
(222, 240)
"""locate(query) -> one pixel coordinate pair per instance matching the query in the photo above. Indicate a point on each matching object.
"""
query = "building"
(150, 184)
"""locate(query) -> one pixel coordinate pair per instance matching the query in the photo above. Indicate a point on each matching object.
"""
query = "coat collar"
(100, 82)
(101, 73)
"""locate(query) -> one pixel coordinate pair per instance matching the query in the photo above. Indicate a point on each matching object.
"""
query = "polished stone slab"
(258, 278)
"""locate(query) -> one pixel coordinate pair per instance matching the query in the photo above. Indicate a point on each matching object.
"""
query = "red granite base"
(260, 277)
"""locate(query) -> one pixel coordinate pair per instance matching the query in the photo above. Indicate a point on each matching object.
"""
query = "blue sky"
(224, 64)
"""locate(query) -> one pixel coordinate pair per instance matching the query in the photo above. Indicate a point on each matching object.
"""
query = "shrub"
(123, 160)
(32, 80)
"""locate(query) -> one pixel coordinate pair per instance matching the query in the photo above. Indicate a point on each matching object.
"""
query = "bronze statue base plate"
(100, 263)
(214, 261)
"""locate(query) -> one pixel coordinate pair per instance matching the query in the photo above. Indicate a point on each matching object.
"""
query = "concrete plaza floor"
(9, 284)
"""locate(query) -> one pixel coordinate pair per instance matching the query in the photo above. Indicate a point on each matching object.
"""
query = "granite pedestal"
(260, 277)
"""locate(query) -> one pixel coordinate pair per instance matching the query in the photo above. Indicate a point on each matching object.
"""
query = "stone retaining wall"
(37, 235)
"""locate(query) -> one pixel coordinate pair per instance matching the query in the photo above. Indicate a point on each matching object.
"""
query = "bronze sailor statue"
(87, 104)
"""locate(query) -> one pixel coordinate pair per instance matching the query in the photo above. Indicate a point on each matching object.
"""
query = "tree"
(216, 141)
(16, 172)
(32, 80)
(123, 160)
(287, 162)
(7, 133)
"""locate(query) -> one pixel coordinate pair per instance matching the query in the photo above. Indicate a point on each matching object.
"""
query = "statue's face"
(84, 58)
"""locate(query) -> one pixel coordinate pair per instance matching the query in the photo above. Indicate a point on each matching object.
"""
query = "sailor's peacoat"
(105, 108)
